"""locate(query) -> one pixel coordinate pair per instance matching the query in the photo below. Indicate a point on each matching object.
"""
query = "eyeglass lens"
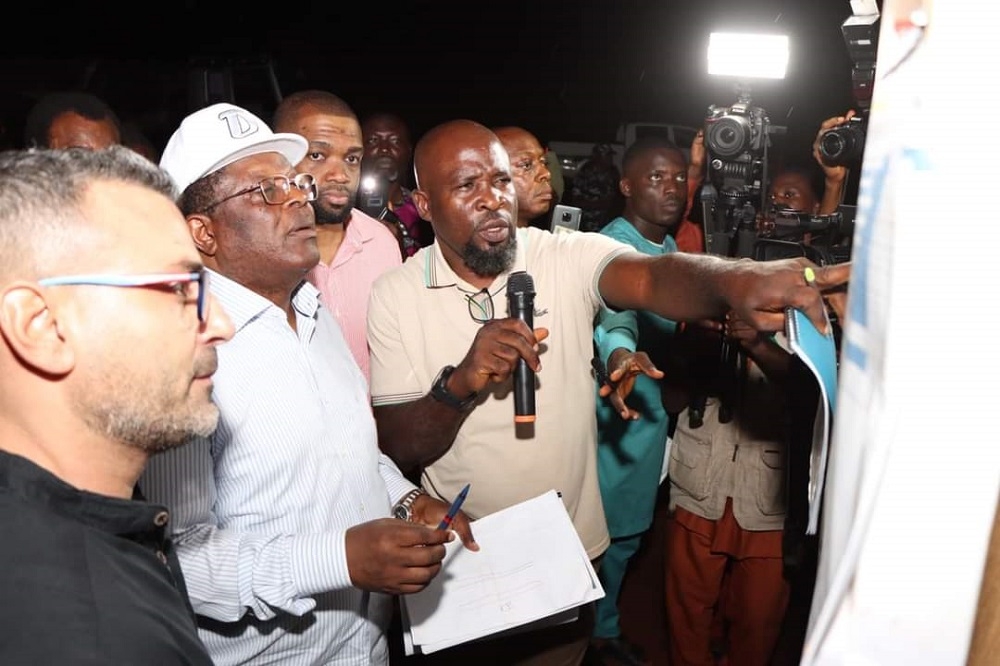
(278, 189)
(480, 306)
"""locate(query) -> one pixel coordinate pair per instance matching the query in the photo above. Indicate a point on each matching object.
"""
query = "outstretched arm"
(687, 287)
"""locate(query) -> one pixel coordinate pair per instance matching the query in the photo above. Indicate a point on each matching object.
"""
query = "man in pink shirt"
(354, 248)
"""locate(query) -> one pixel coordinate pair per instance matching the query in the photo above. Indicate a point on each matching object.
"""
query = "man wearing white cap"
(282, 516)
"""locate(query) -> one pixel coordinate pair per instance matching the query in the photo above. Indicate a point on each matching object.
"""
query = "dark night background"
(564, 70)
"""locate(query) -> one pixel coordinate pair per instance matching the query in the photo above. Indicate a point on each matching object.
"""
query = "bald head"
(445, 143)
(530, 172)
(465, 190)
(510, 133)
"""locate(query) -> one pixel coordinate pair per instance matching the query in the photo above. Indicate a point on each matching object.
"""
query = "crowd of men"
(259, 400)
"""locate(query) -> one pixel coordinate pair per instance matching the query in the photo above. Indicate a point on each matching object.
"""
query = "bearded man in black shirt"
(107, 347)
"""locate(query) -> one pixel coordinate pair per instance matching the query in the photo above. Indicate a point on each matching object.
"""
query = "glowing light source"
(748, 55)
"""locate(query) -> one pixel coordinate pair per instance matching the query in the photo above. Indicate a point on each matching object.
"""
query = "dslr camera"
(734, 130)
(843, 144)
(736, 141)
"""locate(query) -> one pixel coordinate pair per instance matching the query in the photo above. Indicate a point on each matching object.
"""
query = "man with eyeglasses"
(354, 248)
(441, 380)
(283, 523)
(107, 351)
(532, 179)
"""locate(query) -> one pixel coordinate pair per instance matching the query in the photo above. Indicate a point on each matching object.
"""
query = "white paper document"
(531, 567)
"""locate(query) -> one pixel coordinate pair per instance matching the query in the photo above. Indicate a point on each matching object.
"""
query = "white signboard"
(914, 469)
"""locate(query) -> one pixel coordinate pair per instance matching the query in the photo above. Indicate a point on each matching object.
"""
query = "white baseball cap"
(218, 135)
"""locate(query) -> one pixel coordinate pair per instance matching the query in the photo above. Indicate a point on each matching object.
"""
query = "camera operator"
(724, 562)
(727, 566)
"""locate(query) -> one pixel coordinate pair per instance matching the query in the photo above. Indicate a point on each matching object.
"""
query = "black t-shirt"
(87, 579)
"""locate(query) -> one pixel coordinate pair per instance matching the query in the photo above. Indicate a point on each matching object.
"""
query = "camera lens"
(842, 145)
(728, 136)
(566, 217)
(832, 145)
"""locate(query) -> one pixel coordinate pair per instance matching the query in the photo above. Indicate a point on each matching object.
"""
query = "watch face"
(401, 512)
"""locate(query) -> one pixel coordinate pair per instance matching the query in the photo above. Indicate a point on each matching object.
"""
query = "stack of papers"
(531, 570)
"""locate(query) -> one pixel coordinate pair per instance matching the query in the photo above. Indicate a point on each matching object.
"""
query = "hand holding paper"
(531, 566)
(431, 512)
(394, 556)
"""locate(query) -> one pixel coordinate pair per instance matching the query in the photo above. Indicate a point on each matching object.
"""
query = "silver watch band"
(406, 503)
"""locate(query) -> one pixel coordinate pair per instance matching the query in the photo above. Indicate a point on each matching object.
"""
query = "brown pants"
(719, 574)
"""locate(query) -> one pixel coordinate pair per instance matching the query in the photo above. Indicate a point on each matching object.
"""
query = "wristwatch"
(440, 392)
(403, 509)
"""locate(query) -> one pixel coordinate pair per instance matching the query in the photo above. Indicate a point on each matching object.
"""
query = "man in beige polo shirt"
(443, 349)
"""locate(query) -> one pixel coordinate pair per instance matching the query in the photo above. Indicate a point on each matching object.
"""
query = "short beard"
(145, 413)
(137, 428)
(156, 435)
(326, 216)
(492, 261)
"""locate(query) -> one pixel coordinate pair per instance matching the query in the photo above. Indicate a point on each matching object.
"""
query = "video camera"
(782, 233)
(736, 143)
(740, 222)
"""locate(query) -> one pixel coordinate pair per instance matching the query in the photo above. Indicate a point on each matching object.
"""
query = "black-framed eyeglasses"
(178, 281)
(276, 190)
(480, 306)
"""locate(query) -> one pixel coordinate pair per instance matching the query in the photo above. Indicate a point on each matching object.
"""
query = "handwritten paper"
(531, 567)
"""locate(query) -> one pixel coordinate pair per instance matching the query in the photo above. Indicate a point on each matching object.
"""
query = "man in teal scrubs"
(632, 437)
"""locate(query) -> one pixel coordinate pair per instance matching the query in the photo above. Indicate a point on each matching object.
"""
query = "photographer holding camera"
(726, 560)
(833, 152)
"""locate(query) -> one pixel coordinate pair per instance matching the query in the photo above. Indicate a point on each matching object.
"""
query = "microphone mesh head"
(520, 282)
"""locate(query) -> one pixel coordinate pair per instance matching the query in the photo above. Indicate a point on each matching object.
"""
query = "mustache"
(491, 221)
(338, 189)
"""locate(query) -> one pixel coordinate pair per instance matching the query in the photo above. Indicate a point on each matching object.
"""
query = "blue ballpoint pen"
(453, 509)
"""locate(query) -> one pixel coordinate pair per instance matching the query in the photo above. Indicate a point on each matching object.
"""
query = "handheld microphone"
(521, 304)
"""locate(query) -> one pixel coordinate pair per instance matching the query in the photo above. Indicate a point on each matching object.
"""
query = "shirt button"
(161, 556)
(161, 519)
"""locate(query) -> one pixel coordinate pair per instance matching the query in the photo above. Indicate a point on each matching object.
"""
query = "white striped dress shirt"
(261, 508)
